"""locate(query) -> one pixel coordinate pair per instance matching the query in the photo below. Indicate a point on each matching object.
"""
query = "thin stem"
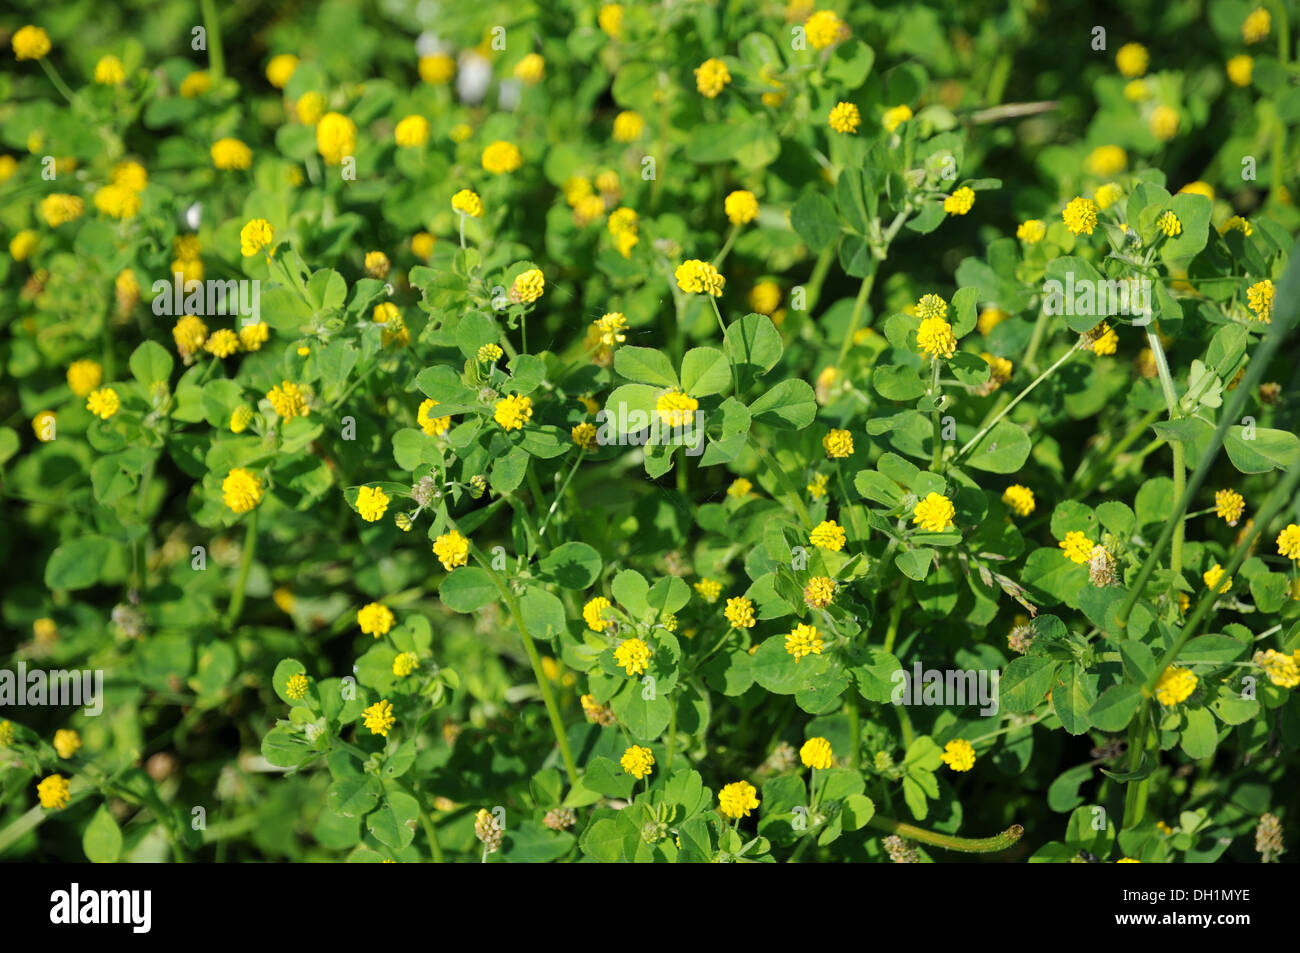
(859, 308)
(1018, 398)
(245, 563)
(970, 845)
(559, 494)
(212, 26)
(786, 483)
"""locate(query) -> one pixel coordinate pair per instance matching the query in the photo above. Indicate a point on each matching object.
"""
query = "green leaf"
(1025, 681)
(1267, 450)
(645, 365)
(1201, 736)
(393, 823)
(790, 405)
(705, 371)
(542, 613)
(77, 563)
(571, 565)
(150, 362)
(753, 344)
(1115, 707)
(1004, 449)
(467, 589)
(894, 382)
(102, 840)
(645, 718)
(813, 218)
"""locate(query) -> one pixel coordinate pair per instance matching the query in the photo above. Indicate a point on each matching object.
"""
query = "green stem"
(20, 827)
(855, 731)
(1018, 398)
(970, 845)
(212, 26)
(245, 563)
(786, 483)
(559, 494)
(895, 614)
(859, 308)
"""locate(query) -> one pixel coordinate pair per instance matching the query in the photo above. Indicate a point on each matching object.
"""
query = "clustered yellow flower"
(528, 286)
(1080, 215)
(1107, 195)
(30, 43)
(452, 550)
(375, 619)
(1282, 670)
(737, 799)
(1020, 499)
(895, 117)
(959, 754)
(1132, 60)
(1168, 223)
(1240, 69)
(230, 153)
(336, 137)
(699, 277)
(501, 157)
(1077, 547)
(531, 69)
(433, 426)
(838, 444)
(84, 376)
(628, 126)
(241, 490)
(739, 612)
(23, 244)
(935, 338)
(816, 753)
(222, 343)
(803, 640)
(1105, 161)
(741, 207)
(66, 743)
(828, 534)
(1164, 123)
(819, 593)
(1288, 542)
(1214, 581)
(1176, 685)
(711, 76)
(633, 655)
(584, 435)
(372, 503)
(740, 488)
(934, 513)
(1254, 28)
(1229, 505)
(960, 202)
(280, 69)
(422, 244)
(405, 663)
(54, 790)
(61, 208)
(296, 687)
(1031, 231)
(1259, 298)
(637, 761)
(379, 718)
(288, 400)
(254, 236)
(845, 118)
(436, 69)
(824, 28)
(594, 614)
(675, 408)
(103, 403)
(513, 411)
(709, 589)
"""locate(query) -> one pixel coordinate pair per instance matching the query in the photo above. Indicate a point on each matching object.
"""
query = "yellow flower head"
(1077, 547)
(254, 236)
(66, 742)
(934, 513)
(240, 418)
(838, 444)
(633, 655)
(281, 69)
(637, 761)
(699, 277)
(23, 244)
(109, 71)
(824, 28)
(189, 334)
(1175, 685)
(741, 207)
(377, 265)
(819, 593)
(513, 412)
(60, 208)
(422, 244)
(740, 488)
(1259, 298)
(241, 490)
(738, 799)
(452, 550)
(1164, 123)
(195, 84)
(231, 153)
(253, 336)
(1031, 231)
(372, 502)
(379, 717)
(501, 157)
(375, 619)
(1288, 542)
(739, 612)
(1107, 195)
(895, 117)
(1169, 224)
(675, 408)
(1214, 581)
(594, 614)
(433, 426)
(711, 76)
(960, 202)
(411, 131)
(6, 733)
(936, 339)
(816, 753)
(609, 328)
(437, 69)
(103, 403)
(222, 343)
(405, 664)
(528, 286)
(1102, 340)
(296, 687)
(709, 589)
(628, 126)
(958, 754)
(765, 297)
(1282, 670)
(52, 791)
(845, 118)
(336, 137)
(467, 202)
(803, 640)
(1229, 505)
(1132, 60)
(1198, 188)
(31, 43)
(1253, 29)
(44, 425)
(1240, 69)
(84, 376)
(817, 486)
(828, 535)
(531, 69)
(1020, 499)
(610, 19)
(1080, 215)
(288, 400)
(310, 107)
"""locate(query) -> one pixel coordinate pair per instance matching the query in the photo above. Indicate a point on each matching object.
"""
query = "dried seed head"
(1268, 838)
(560, 818)
(1020, 638)
(900, 851)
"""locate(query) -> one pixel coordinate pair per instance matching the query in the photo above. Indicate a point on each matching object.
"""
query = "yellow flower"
(109, 71)
(222, 343)
(1164, 123)
(739, 612)
(1132, 60)
(711, 76)
(633, 655)
(817, 487)
(838, 444)
(1288, 542)
(1229, 505)
(958, 754)
(375, 619)
(1107, 195)
(336, 137)
(23, 244)
(60, 208)
(738, 799)
(433, 426)
(43, 425)
(296, 687)
(589, 209)
(1080, 215)
(372, 502)
(610, 19)
(628, 126)
(66, 742)
(1102, 340)
(816, 753)
(452, 550)
(845, 118)
(936, 339)
(253, 336)
(989, 319)
(1259, 298)
(6, 733)
(1137, 90)
(53, 791)
(1240, 69)
(1077, 547)
(637, 761)
(741, 207)
(1238, 223)
(699, 277)
(609, 328)
(377, 265)
(584, 436)
(765, 297)
(1213, 578)
(281, 69)
(1169, 224)
(412, 131)
(675, 409)
(1175, 685)
(1198, 188)
(31, 43)
(230, 153)
(819, 593)
(740, 487)
(1253, 29)
(593, 613)
(1282, 670)
(310, 107)
(240, 418)
(103, 403)
(437, 70)
(528, 286)
(934, 513)
(84, 376)
(513, 412)
(803, 640)
(931, 306)
(501, 157)
(531, 69)
(189, 334)
(709, 589)
(823, 28)
(1020, 499)
(1031, 231)
(828, 535)
(254, 236)
(288, 400)
(960, 202)
(405, 664)
(895, 117)
(379, 717)
(241, 490)
(195, 84)
(8, 166)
